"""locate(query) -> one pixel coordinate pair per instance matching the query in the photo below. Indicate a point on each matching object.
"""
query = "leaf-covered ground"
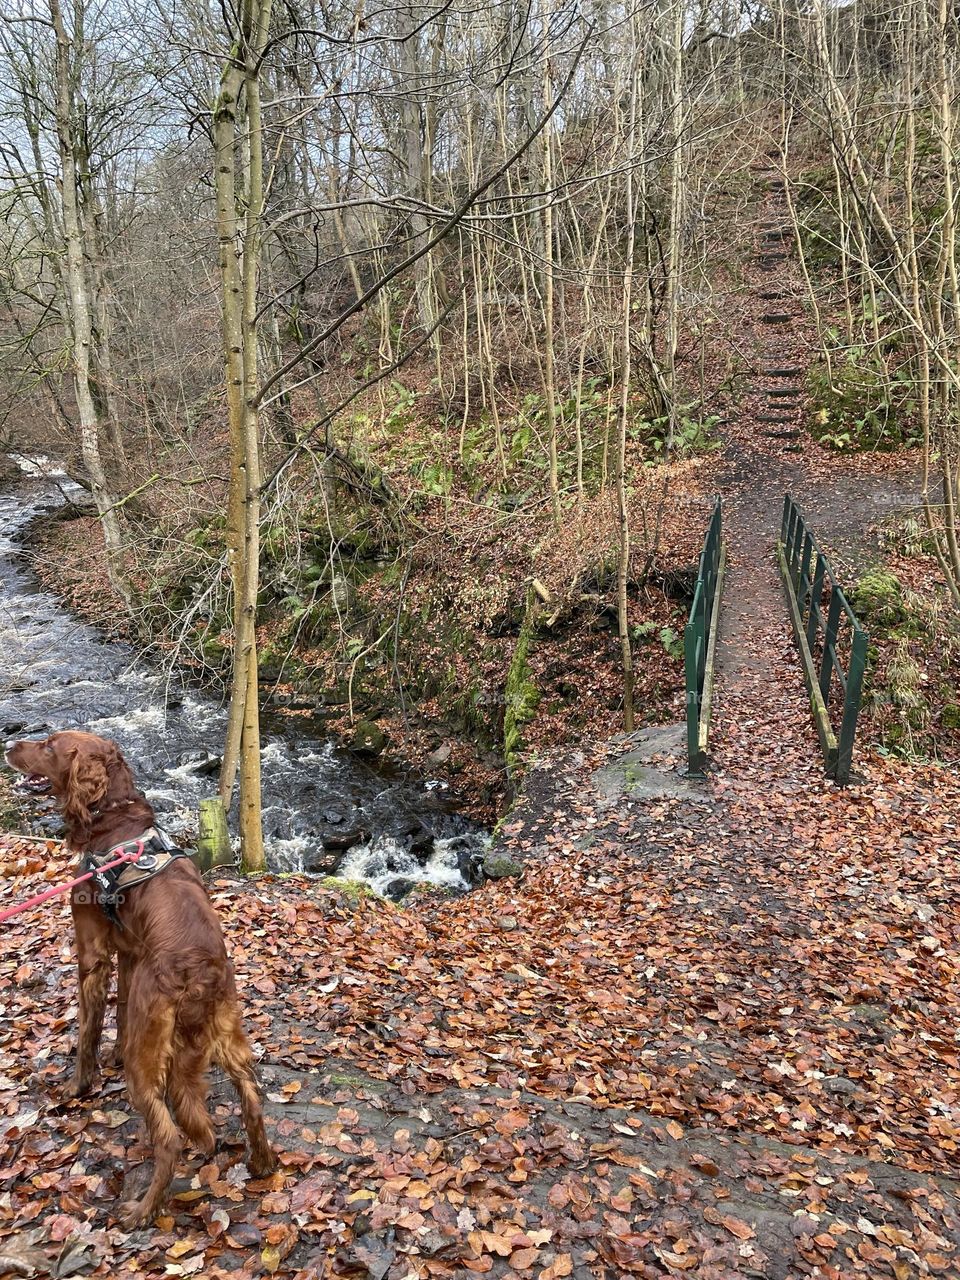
(711, 1035)
(712, 1030)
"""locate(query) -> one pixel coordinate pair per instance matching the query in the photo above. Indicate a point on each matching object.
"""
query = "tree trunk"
(240, 349)
(79, 311)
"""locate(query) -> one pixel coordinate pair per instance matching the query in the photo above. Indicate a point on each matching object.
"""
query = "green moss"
(878, 600)
(354, 891)
(354, 1080)
(950, 715)
(10, 817)
(214, 650)
(500, 866)
(861, 403)
(368, 738)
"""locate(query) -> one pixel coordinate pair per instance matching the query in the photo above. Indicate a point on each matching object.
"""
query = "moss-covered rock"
(353, 891)
(368, 739)
(500, 866)
(878, 600)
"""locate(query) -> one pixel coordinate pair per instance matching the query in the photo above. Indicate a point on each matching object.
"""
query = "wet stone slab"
(653, 768)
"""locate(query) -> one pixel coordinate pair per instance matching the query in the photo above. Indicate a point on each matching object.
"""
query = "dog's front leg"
(93, 963)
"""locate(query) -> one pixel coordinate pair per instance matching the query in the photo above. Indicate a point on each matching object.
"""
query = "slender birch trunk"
(80, 308)
(240, 340)
(623, 495)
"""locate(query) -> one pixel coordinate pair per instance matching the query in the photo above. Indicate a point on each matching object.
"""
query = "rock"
(499, 866)
(204, 766)
(343, 840)
(323, 863)
(368, 739)
(421, 844)
(301, 702)
(470, 862)
(871, 1013)
(840, 1086)
(399, 888)
(352, 892)
(342, 593)
(507, 923)
(440, 756)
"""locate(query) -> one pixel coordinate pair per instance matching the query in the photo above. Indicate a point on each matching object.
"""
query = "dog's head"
(81, 770)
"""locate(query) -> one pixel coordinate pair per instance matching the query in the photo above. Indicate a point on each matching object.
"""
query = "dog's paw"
(80, 1086)
(261, 1163)
(134, 1213)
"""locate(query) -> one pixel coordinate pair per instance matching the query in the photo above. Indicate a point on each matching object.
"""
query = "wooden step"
(793, 434)
(776, 317)
(783, 393)
(792, 372)
(777, 419)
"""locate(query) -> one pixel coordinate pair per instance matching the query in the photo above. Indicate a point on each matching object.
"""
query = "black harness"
(156, 852)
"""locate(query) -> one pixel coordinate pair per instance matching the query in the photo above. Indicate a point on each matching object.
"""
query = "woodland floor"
(710, 1031)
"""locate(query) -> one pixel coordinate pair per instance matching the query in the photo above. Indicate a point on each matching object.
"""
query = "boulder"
(323, 863)
(340, 841)
(499, 866)
(399, 888)
(368, 739)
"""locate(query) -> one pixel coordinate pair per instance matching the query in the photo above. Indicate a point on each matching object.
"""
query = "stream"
(324, 809)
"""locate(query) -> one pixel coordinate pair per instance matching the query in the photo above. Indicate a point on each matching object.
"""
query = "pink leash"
(62, 888)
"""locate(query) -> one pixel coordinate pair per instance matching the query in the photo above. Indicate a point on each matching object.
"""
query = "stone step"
(776, 317)
(777, 419)
(774, 295)
(783, 393)
(793, 371)
(793, 434)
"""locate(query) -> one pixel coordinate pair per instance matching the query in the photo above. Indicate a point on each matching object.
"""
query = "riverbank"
(436, 699)
(323, 805)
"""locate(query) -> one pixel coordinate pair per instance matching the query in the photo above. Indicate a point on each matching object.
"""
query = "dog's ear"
(120, 784)
(87, 782)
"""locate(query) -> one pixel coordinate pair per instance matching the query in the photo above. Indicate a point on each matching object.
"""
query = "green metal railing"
(699, 642)
(829, 637)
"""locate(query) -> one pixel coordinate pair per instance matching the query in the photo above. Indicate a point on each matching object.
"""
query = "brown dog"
(176, 996)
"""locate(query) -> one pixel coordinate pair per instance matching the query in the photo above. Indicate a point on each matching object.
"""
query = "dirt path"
(768, 452)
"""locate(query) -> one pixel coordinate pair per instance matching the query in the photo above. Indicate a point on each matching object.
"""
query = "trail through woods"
(711, 1031)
